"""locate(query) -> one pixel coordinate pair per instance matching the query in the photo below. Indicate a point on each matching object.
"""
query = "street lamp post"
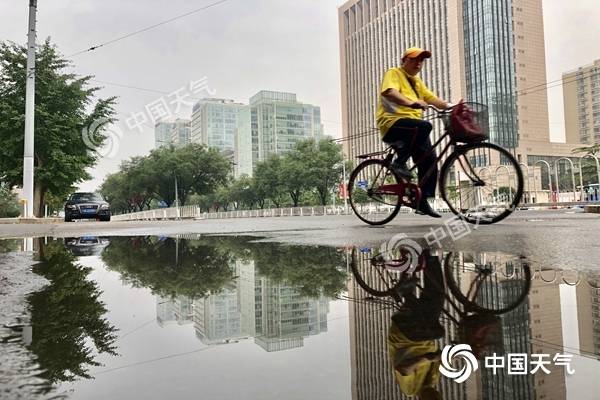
(29, 114)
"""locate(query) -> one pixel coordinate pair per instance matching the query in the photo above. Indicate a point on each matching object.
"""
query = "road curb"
(595, 209)
(9, 221)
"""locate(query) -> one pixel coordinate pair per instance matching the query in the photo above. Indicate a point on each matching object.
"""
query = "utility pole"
(29, 114)
(345, 191)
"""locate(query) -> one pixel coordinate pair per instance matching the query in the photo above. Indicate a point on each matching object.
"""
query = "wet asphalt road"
(553, 238)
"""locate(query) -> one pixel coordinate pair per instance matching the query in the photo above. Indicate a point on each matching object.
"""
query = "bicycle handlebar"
(434, 108)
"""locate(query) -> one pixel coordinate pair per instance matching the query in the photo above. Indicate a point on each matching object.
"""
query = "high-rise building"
(373, 36)
(278, 120)
(489, 65)
(581, 92)
(162, 133)
(243, 144)
(214, 123)
(489, 51)
(181, 132)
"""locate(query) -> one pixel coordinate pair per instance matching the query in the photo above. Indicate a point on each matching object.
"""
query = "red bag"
(465, 125)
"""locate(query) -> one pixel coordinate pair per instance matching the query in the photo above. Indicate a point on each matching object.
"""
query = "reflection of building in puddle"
(275, 314)
(178, 310)
(545, 323)
(528, 329)
(588, 314)
(225, 316)
(284, 317)
(372, 372)
(534, 327)
(372, 376)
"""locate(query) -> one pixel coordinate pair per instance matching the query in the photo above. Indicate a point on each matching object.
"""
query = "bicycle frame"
(409, 193)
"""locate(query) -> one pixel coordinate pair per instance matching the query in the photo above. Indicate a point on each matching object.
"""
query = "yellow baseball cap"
(415, 52)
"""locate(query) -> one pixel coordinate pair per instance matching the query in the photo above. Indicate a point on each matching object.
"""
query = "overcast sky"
(241, 47)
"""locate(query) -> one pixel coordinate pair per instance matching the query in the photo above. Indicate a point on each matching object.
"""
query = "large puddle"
(233, 317)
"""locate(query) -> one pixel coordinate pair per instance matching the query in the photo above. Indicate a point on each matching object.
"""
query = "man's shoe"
(425, 209)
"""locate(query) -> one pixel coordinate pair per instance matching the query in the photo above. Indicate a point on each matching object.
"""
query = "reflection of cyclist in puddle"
(414, 353)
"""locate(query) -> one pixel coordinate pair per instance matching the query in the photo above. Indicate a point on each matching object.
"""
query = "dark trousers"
(410, 138)
(423, 323)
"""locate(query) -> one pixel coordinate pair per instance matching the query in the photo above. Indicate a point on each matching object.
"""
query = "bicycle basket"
(469, 123)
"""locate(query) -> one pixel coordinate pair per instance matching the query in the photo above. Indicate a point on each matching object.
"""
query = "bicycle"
(468, 180)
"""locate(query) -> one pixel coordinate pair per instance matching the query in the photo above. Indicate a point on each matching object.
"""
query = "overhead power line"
(370, 131)
(149, 28)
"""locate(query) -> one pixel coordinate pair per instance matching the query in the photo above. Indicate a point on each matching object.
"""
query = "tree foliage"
(306, 175)
(196, 168)
(9, 204)
(68, 319)
(65, 106)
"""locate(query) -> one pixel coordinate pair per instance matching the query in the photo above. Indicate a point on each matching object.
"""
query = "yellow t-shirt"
(389, 112)
(400, 348)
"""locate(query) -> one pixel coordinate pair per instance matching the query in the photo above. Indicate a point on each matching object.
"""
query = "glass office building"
(490, 65)
(278, 121)
(214, 123)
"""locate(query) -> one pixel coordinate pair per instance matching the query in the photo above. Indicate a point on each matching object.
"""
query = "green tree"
(295, 172)
(64, 107)
(68, 319)
(325, 167)
(593, 149)
(198, 170)
(269, 180)
(115, 191)
(138, 177)
(9, 204)
(243, 192)
(589, 168)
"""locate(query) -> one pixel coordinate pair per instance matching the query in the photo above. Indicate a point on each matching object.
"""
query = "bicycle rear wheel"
(482, 183)
(369, 204)
(374, 276)
(492, 283)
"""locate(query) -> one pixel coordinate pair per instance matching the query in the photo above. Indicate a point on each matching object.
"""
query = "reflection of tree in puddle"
(168, 266)
(8, 245)
(312, 270)
(233, 288)
(67, 316)
(196, 268)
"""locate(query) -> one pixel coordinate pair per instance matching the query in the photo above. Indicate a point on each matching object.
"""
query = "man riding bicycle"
(403, 96)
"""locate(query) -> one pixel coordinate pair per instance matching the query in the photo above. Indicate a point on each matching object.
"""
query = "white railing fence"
(193, 212)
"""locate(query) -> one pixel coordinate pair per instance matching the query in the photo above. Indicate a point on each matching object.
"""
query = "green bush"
(9, 204)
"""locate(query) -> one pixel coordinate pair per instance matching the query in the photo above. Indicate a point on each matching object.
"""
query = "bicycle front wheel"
(488, 283)
(370, 204)
(482, 183)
